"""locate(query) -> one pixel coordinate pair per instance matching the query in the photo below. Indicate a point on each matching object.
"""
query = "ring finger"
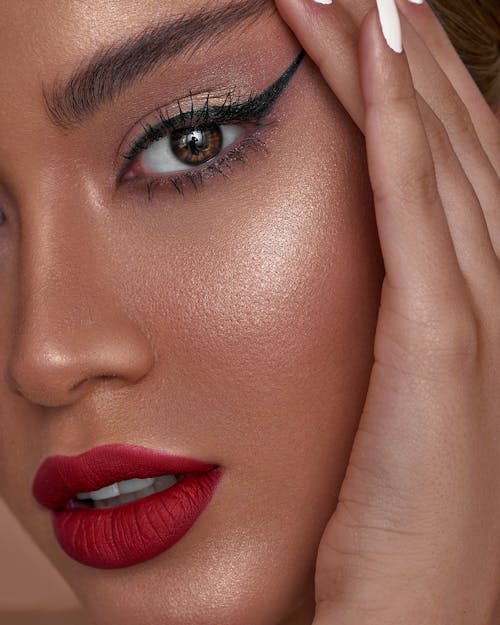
(473, 130)
(321, 30)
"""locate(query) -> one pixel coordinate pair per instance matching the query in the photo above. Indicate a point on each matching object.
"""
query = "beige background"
(31, 590)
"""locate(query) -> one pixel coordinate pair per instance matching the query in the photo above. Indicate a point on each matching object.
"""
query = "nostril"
(93, 379)
(12, 384)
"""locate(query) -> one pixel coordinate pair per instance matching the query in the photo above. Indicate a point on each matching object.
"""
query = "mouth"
(119, 505)
(124, 492)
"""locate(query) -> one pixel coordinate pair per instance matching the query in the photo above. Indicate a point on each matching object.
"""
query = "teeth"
(103, 493)
(132, 486)
(127, 491)
(117, 501)
(162, 483)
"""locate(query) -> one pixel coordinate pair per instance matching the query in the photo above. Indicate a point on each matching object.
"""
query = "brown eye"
(186, 149)
(195, 146)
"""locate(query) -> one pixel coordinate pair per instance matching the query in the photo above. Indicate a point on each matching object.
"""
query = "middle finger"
(460, 121)
(320, 30)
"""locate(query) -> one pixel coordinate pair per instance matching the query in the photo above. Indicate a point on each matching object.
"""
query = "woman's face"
(225, 314)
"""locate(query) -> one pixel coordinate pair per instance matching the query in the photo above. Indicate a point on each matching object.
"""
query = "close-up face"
(189, 263)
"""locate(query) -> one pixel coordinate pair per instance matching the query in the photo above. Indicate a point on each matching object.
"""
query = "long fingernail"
(391, 24)
(323, 1)
(416, 1)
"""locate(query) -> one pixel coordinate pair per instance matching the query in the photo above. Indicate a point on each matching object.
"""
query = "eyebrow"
(111, 70)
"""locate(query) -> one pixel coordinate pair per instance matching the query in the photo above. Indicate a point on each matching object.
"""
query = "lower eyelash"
(255, 112)
(220, 166)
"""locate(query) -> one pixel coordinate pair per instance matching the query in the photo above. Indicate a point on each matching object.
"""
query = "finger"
(330, 38)
(437, 90)
(319, 24)
(471, 125)
(415, 239)
(426, 41)
(430, 30)
(469, 231)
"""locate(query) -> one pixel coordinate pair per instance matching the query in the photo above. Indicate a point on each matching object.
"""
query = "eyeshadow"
(251, 110)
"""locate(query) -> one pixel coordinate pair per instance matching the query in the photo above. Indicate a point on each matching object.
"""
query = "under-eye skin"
(187, 149)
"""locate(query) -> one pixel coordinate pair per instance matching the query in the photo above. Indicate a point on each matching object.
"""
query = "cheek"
(276, 307)
(263, 327)
(260, 298)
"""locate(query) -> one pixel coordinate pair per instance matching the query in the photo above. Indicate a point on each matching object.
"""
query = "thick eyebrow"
(111, 70)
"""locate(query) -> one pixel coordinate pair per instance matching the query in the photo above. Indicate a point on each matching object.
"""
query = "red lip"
(130, 533)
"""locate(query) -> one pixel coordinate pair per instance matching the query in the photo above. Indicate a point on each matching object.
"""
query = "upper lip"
(60, 478)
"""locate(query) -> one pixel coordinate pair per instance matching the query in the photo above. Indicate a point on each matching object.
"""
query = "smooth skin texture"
(234, 325)
(264, 344)
(416, 535)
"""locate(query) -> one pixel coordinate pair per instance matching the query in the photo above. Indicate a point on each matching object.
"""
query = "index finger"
(325, 34)
(433, 59)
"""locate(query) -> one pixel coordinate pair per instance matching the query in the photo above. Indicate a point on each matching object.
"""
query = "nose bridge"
(70, 332)
(58, 269)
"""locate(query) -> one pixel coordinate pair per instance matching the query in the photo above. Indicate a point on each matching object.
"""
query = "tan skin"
(236, 325)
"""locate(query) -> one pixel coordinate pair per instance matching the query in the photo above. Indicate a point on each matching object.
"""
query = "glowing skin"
(234, 325)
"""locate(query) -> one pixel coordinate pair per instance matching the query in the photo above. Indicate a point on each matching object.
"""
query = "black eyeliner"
(252, 110)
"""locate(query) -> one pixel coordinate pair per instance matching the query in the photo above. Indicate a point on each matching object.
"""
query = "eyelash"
(231, 111)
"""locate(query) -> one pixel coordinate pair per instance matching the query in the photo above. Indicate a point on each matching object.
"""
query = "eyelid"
(253, 112)
(237, 109)
(208, 113)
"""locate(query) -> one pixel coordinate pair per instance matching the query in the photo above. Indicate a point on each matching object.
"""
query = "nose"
(72, 332)
(57, 368)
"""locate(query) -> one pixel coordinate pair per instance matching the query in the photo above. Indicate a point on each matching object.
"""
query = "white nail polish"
(416, 1)
(323, 1)
(391, 24)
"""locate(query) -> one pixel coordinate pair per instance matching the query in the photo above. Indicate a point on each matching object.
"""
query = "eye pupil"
(195, 146)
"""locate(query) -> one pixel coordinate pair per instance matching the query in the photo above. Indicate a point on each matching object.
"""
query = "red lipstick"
(130, 533)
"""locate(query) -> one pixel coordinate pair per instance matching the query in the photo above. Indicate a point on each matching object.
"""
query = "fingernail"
(390, 23)
(323, 1)
(416, 1)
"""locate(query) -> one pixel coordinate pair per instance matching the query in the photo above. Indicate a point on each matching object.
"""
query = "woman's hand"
(415, 538)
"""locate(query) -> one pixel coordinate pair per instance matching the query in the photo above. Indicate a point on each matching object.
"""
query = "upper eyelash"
(252, 110)
(226, 112)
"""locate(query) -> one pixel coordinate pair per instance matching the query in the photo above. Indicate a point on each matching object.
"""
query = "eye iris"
(195, 146)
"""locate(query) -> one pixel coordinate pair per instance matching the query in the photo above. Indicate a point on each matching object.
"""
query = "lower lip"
(114, 538)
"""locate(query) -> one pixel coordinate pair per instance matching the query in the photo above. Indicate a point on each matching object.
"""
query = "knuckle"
(420, 185)
(402, 99)
(460, 119)
(435, 339)
(460, 346)
(439, 139)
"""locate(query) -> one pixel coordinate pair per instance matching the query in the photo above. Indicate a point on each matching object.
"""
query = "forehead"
(54, 34)
(46, 43)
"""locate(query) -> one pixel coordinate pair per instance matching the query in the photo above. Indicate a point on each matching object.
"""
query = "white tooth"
(164, 482)
(105, 493)
(83, 496)
(128, 490)
(134, 485)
